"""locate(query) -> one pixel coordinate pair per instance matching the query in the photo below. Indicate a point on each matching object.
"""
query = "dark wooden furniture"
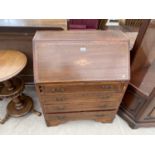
(11, 63)
(17, 34)
(80, 74)
(138, 105)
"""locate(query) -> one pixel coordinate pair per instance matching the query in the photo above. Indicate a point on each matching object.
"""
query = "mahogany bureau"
(80, 74)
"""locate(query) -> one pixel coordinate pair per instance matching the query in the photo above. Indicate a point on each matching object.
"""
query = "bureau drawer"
(78, 97)
(49, 89)
(80, 106)
(101, 116)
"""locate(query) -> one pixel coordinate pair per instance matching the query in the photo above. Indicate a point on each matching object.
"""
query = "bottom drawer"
(100, 116)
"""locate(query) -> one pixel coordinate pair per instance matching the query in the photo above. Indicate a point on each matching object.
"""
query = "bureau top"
(75, 56)
(77, 35)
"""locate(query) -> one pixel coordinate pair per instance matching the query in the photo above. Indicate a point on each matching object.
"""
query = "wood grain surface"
(100, 116)
(11, 63)
(138, 104)
(80, 56)
(80, 74)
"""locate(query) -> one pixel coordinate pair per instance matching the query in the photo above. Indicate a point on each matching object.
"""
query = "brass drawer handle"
(103, 106)
(60, 99)
(100, 115)
(107, 87)
(106, 96)
(61, 117)
(55, 90)
(60, 108)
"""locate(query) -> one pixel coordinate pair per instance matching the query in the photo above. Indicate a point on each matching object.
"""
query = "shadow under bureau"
(80, 74)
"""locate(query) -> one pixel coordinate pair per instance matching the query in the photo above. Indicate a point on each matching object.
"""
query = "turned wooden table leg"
(18, 103)
(9, 85)
(20, 106)
(13, 62)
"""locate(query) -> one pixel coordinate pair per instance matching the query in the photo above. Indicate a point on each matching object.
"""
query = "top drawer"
(80, 87)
